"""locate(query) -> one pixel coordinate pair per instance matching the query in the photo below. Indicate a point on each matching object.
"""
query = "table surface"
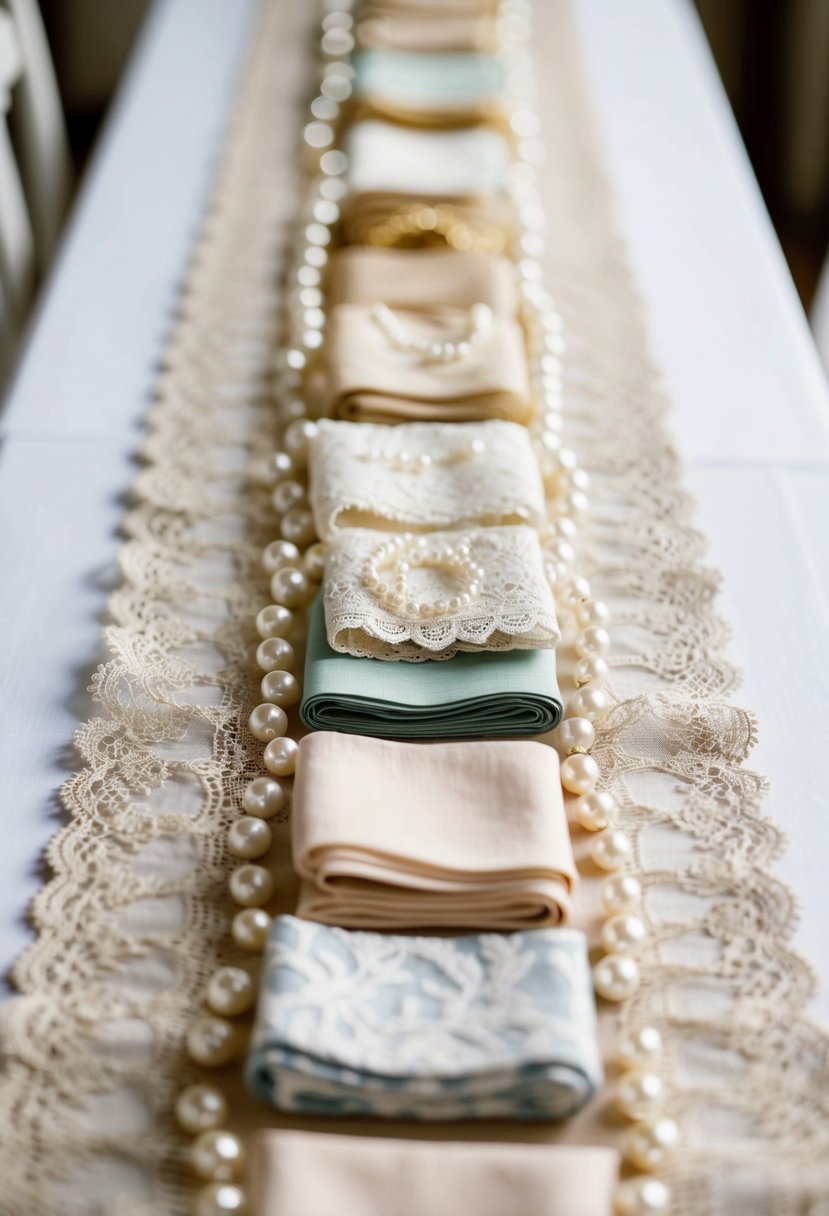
(751, 408)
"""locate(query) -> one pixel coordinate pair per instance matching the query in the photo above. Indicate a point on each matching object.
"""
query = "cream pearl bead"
(313, 562)
(231, 991)
(639, 1095)
(212, 1041)
(280, 757)
(251, 929)
(579, 774)
(251, 886)
(639, 1048)
(651, 1144)
(621, 893)
(278, 554)
(297, 437)
(221, 1199)
(592, 640)
(263, 798)
(578, 589)
(217, 1156)
(275, 654)
(249, 838)
(200, 1108)
(268, 721)
(282, 466)
(575, 734)
(592, 612)
(281, 688)
(591, 670)
(616, 977)
(290, 587)
(589, 703)
(594, 811)
(609, 851)
(298, 527)
(274, 621)
(642, 1197)
(287, 495)
(624, 934)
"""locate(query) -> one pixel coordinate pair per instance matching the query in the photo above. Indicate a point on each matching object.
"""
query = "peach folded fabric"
(371, 381)
(408, 835)
(307, 1174)
(421, 280)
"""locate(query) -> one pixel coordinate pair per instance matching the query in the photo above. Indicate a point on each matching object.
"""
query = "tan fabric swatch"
(392, 219)
(422, 279)
(381, 27)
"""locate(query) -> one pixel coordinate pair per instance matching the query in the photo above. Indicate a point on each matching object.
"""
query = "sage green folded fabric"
(490, 694)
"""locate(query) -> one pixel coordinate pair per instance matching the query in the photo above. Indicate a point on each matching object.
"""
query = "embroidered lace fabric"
(135, 916)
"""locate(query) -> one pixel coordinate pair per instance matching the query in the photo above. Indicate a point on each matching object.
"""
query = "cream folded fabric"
(370, 380)
(307, 1174)
(391, 835)
(383, 156)
(422, 280)
(391, 28)
(422, 476)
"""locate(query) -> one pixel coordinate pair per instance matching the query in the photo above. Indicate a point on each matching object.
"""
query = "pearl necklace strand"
(478, 329)
(406, 553)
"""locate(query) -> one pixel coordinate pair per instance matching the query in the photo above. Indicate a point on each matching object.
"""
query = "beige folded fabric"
(422, 279)
(305, 1174)
(408, 835)
(395, 30)
(371, 381)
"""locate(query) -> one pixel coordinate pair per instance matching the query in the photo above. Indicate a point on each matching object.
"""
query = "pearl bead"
(298, 436)
(313, 563)
(592, 640)
(251, 886)
(575, 734)
(651, 1144)
(275, 621)
(289, 586)
(579, 774)
(610, 851)
(252, 928)
(639, 1048)
(249, 838)
(217, 1156)
(588, 703)
(263, 798)
(280, 757)
(287, 495)
(576, 591)
(639, 1094)
(624, 934)
(282, 466)
(281, 688)
(595, 811)
(277, 554)
(199, 1108)
(298, 526)
(268, 721)
(275, 654)
(592, 612)
(231, 991)
(221, 1199)
(616, 977)
(642, 1197)
(212, 1041)
(591, 670)
(621, 893)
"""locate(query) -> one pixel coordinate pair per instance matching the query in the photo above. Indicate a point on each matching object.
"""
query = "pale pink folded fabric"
(408, 835)
(306, 1174)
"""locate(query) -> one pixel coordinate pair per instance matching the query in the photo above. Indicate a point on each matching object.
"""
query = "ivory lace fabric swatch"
(423, 476)
(449, 87)
(307, 1174)
(422, 279)
(428, 597)
(385, 157)
(489, 695)
(476, 1027)
(455, 835)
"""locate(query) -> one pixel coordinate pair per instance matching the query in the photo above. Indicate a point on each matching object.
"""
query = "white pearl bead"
(592, 640)
(610, 851)
(575, 733)
(251, 886)
(287, 495)
(231, 991)
(249, 838)
(289, 586)
(297, 438)
(576, 591)
(268, 721)
(297, 526)
(616, 977)
(275, 654)
(221, 1199)
(281, 688)
(282, 466)
(623, 934)
(579, 774)
(199, 1108)
(592, 612)
(313, 562)
(642, 1197)
(212, 1041)
(591, 670)
(651, 1144)
(263, 798)
(621, 893)
(639, 1048)
(217, 1156)
(278, 554)
(251, 928)
(275, 621)
(595, 811)
(280, 757)
(588, 703)
(639, 1095)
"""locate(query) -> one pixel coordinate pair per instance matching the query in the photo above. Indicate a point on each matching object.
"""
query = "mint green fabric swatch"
(433, 79)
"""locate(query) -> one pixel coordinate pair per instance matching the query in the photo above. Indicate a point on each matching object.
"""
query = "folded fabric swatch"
(477, 1027)
(423, 475)
(504, 694)
(428, 597)
(424, 279)
(373, 380)
(308, 1174)
(392, 220)
(383, 156)
(390, 27)
(404, 835)
(449, 88)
